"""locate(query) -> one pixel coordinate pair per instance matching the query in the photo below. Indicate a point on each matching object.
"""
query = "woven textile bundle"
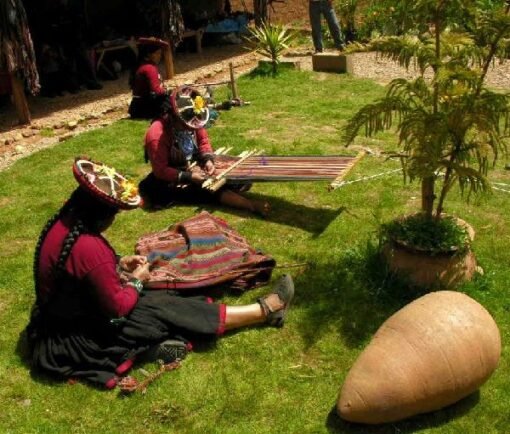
(203, 251)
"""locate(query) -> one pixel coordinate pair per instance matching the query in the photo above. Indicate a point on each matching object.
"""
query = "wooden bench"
(168, 57)
(100, 52)
(198, 34)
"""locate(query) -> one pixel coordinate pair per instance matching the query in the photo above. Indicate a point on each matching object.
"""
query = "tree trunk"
(20, 100)
(427, 195)
(260, 9)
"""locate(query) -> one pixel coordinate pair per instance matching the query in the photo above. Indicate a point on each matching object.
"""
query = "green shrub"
(432, 236)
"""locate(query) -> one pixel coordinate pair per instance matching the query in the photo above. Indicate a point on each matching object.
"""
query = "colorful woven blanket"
(200, 252)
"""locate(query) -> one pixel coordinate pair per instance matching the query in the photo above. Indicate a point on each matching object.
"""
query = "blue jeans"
(324, 7)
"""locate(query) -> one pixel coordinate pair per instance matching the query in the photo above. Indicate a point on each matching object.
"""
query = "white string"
(377, 175)
(500, 189)
(366, 178)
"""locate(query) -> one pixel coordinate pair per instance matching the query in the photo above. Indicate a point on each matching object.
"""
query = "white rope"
(500, 189)
(367, 178)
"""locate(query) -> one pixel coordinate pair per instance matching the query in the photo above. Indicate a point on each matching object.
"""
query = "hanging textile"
(17, 54)
(173, 23)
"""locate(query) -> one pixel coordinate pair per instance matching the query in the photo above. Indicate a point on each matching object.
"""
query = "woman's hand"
(197, 177)
(209, 167)
(130, 262)
(142, 272)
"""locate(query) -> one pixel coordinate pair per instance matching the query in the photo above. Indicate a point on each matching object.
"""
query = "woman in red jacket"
(177, 145)
(87, 321)
(148, 90)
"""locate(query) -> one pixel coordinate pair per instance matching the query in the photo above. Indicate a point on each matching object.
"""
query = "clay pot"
(444, 270)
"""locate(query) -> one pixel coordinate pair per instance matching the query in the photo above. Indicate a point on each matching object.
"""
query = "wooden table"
(198, 34)
(101, 51)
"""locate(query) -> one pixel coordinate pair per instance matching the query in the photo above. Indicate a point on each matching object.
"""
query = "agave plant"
(271, 41)
(450, 127)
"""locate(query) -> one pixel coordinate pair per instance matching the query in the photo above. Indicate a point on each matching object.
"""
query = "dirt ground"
(57, 119)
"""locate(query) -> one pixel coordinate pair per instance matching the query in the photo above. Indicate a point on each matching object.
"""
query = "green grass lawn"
(260, 380)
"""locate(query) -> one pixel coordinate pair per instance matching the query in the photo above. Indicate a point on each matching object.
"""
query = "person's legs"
(235, 200)
(315, 22)
(270, 309)
(155, 193)
(242, 316)
(333, 24)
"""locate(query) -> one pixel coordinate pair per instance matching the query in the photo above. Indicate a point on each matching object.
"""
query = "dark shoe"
(284, 288)
(168, 351)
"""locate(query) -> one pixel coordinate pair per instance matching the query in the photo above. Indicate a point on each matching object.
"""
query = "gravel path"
(57, 119)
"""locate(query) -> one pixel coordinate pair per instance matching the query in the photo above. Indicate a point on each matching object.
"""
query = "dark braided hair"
(42, 236)
(88, 216)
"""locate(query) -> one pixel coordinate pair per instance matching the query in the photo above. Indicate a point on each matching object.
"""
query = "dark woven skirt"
(148, 107)
(98, 351)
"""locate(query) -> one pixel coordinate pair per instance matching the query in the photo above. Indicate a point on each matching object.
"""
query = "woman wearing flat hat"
(145, 81)
(89, 323)
(177, 146)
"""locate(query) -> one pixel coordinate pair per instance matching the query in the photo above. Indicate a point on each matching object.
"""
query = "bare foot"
(261, 208)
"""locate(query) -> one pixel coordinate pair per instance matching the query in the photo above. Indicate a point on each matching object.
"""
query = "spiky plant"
(450, 126)
(271, 41)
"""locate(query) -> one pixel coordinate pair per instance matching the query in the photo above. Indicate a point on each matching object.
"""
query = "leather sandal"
(284, 289)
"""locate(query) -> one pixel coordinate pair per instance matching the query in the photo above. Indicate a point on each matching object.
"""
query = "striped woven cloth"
(203, 251)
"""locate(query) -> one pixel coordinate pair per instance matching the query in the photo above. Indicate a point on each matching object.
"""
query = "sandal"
(284, 289)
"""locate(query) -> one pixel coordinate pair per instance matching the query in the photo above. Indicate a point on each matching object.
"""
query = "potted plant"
(271, 41)
(450, 126)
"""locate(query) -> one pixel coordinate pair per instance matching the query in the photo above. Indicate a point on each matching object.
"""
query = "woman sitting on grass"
(180, 154)
(149, 93)
(89, 323)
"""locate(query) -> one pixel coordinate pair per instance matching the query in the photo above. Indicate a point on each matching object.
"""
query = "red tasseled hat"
(153, 41)
(190, 107)
(106, 184)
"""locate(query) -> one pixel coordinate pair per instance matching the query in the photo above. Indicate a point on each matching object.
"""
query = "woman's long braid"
(71, 238)
(87, 215)
(42, 236)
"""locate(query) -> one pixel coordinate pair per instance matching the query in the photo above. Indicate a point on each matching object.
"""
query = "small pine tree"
(271, 41)
(451, 126)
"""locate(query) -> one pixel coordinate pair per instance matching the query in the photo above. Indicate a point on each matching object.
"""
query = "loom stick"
(336, 182)
(214, 183)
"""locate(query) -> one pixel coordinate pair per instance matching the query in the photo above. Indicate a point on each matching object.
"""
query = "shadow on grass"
(283, 212)
(436, 419)
(22, 351)
(354, 295)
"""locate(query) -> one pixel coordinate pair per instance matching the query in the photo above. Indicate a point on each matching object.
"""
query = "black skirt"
(147, 107)
(98, 351)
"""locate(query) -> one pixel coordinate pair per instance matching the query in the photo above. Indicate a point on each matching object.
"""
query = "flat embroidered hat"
(106, 184)
(190, 107)
(152, 41)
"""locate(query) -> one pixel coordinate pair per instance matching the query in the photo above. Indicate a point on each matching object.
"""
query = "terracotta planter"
(444, 271)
